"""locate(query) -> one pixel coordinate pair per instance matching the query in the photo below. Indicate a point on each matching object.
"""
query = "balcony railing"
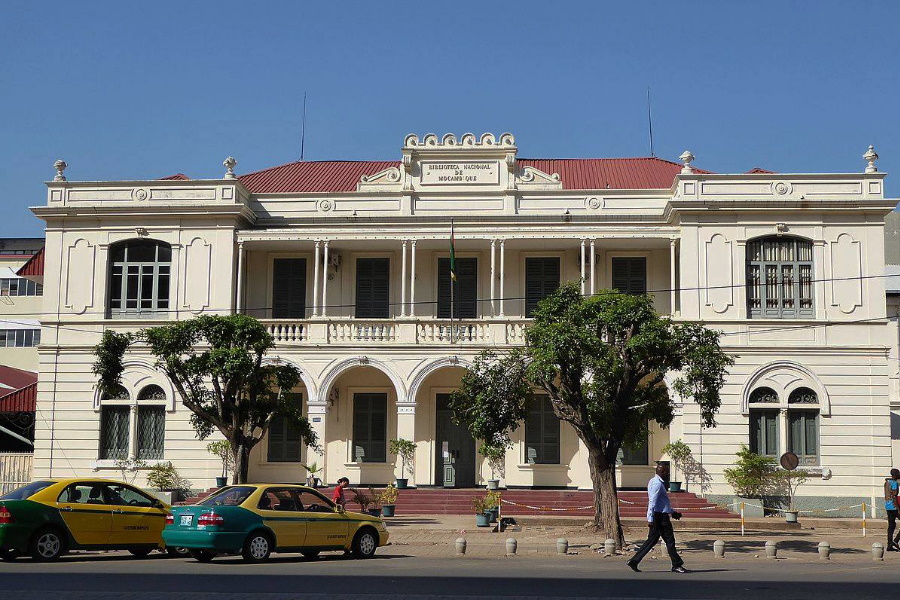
(437, 332)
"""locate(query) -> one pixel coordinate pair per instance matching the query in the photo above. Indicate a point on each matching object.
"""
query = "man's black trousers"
(892, 525)
(661, 527)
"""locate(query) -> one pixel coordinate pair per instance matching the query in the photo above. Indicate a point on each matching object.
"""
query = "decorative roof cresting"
(229, 163)
(871, 156)
(60, 166)
(687, 158)
(468, 140)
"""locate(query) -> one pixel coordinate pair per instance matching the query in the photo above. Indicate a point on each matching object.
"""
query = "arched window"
(151, 423)
(779, 278)
(803, 425)
(764, 421)
(139, 277)
(115, 425)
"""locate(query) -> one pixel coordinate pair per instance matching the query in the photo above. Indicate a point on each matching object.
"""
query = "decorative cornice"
(468, 140)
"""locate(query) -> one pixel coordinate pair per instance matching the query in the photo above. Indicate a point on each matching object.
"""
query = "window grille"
(779, 278)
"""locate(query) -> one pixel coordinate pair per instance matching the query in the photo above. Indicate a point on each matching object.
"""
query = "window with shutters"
(635, 454)
(541, 432)
(629, 274)
(151, 423)
(803, 425)
(139, 278)
(779, 278)
(285, 440)
(465, 289)
(373, 288)
(289, 288)
(764, 421)
(370, 427)
(542, 275)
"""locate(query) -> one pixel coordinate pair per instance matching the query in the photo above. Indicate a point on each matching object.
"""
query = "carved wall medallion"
(325, 205)
(594, 202)
(782, 188)
(140, 194)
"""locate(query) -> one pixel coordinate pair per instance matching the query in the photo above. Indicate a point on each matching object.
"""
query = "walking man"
(659, 511)
(891, 487)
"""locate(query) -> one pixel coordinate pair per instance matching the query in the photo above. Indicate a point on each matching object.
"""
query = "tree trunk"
(606, 501)
(241, 453)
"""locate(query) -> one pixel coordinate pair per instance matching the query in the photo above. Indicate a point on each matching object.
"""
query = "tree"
(601, 360)
(216, 365)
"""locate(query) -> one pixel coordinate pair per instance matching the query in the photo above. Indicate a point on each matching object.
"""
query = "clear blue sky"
(142, 90)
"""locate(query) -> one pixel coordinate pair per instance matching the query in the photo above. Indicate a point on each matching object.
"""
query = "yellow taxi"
(46, 518)
(256, 519)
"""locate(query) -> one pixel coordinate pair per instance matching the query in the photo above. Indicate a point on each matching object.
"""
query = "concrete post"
(824, 550)
(562, 546)
(877, 551)
(771, 549)
(609, 547)
(511, 545)
(719, 549)
(460, 546)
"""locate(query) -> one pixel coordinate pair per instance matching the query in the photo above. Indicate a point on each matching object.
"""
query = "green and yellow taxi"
(46, 518)
(257, 519)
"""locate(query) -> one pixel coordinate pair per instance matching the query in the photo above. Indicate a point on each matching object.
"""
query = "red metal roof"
(176, 177)
(575, 174)
(756, 170)
(34, 267)
(23, 396)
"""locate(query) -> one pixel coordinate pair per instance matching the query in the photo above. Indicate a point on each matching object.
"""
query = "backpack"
(889, 492)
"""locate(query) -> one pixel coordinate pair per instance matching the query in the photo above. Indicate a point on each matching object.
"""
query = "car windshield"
(229, 496)
(26, 491)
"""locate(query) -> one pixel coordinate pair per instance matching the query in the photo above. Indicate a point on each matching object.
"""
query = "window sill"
(106, 464)
(359, 465)
(541, 467)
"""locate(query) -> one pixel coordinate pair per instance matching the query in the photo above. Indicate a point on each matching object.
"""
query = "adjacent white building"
(347, 263)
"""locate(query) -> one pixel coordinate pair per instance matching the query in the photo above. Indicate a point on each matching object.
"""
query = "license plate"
(186, 520)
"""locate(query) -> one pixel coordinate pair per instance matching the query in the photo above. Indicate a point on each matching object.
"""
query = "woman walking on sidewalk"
(891, 488)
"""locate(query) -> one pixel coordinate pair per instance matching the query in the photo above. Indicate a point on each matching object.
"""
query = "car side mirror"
(339, 509)
(158, 504)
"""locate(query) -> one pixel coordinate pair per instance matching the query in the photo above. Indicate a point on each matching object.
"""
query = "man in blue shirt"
(891, 488)
(659, 511)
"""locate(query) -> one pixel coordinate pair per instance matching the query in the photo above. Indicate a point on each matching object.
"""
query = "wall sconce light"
(567, 216)
(780, 228)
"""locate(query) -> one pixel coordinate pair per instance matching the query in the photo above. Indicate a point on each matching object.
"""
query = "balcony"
(401, 332)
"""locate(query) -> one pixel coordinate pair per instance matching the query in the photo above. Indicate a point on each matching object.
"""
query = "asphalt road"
(399, 577)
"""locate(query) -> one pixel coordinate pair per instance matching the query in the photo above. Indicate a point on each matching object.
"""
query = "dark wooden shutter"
(289, 288)
(370, 427)
(465, 289)
(284, 440)
(541, 432)
(373, 288)
(541, 280)
(629, 275)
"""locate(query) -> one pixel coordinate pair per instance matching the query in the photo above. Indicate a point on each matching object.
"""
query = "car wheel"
(47, 545)
(140, 552)
(8, 555)
(178, 552)
(365, 543)
(203, 556)
(258, 547)
(310, 554)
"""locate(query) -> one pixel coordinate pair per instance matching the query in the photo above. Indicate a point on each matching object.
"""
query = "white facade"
(226, 237)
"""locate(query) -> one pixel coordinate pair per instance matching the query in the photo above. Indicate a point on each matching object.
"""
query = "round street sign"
(789, 461)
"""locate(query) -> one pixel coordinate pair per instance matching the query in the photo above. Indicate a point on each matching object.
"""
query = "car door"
(136, 516)
(279, 511)
(84, 511)
(325, 527)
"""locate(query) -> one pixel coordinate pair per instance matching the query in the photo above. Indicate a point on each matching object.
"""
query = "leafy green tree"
(216, 365)
(601, 360)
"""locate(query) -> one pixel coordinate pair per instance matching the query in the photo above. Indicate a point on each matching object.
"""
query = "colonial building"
(347, 262)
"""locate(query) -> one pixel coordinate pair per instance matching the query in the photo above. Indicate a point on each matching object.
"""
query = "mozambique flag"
(452, 253)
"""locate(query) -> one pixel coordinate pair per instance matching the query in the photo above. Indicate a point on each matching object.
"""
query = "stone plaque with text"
(482, 172)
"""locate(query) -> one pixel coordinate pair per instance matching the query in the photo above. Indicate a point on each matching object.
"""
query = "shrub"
(752, 475)
(495, 455)
(389, 495)
(165, 477)
(406, 450)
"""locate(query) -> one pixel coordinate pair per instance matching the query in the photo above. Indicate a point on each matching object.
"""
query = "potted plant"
(222, 449)
(406, 450)
(492, 505)
(388, 497)
(167, 483)
(790, 481)
(482, 518)
(312, 472)
(366, 500)
(495, 455)
(751, 478)
(680, 455)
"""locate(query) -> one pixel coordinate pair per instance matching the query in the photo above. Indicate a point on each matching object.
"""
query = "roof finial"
(871, 156)
(60, 166)
(686, 157)
(229, 164)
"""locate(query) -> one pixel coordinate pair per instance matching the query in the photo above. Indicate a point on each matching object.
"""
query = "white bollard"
(461, 545)
(719, 549)
(562, 546)
(877, 551)
(824, 550)
(511, 545)
(771, 549)
(609, 547)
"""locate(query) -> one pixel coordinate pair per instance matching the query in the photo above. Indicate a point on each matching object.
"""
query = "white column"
(239, 286)
(593, 269)
(315, 307)
(412, 279)
(324, 278)
(583, 267)
(406, 430)
(493, 276)
(672, 275)
(502, 275)
(403, 282)
(317, 413)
